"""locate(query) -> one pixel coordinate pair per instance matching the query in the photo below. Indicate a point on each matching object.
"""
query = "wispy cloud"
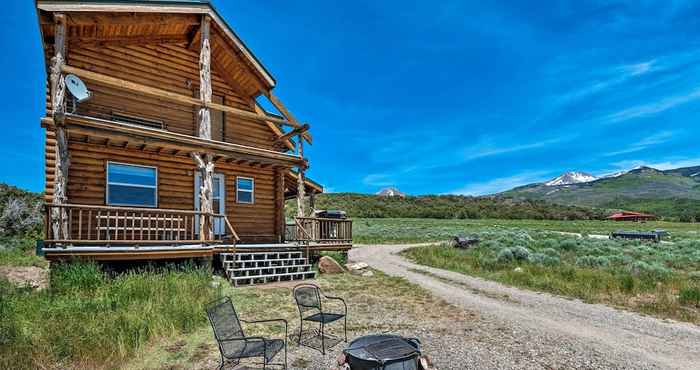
(379, 179)
(488, 149)
(501, 184)
(656, 107)
(656, 139)
(659, 165)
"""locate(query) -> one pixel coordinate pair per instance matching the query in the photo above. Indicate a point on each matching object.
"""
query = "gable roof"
(163, 6)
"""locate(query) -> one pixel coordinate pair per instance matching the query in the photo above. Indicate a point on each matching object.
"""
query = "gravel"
(510, 328)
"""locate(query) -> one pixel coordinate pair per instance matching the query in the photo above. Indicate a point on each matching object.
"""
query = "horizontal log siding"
(169, 67)
(87, 184)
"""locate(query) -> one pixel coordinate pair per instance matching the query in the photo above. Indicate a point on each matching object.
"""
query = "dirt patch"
(34, 277)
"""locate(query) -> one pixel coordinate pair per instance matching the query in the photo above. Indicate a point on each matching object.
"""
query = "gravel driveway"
(537, 330)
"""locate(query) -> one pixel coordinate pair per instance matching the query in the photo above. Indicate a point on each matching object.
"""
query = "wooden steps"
(249, 268)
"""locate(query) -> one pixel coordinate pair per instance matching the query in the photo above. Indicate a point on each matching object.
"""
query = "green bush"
(544, 259)
(689, 296)
(505, 256)
(592, 261)
(520, 253)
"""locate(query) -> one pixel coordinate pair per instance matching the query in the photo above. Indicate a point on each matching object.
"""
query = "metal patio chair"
(234, 345)
(308, 298)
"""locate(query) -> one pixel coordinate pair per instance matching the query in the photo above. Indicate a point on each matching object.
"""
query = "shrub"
(627, 283)
(689, 296)
(652, 270)
(550, 252)
(505, 256)
(695, 275)
(520, 253)
(544, 259)
(568, 245)
(592, 261)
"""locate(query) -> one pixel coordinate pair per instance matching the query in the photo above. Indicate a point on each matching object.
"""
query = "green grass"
(657, 279)
(403, 230)
(87, 320)
(19, 251)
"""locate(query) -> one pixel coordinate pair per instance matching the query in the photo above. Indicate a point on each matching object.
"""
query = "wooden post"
(300, 178)
(312, 202)
(204, 161)
(58, 90)
(279, 203)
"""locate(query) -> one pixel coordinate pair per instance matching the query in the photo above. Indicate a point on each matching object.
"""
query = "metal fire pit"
(383, 352)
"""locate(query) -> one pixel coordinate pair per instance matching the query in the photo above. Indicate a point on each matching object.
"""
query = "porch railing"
(86, 224)
(319, 230)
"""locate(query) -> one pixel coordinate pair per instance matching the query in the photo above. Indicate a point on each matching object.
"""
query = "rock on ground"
(327, 265)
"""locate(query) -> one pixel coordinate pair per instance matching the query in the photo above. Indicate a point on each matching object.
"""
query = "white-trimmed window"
(132, 185)
(245, 190)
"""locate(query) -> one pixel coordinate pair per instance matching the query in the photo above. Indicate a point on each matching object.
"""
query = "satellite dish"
(77, 88)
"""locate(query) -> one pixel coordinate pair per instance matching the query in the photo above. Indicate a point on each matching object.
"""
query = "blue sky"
(442, 97)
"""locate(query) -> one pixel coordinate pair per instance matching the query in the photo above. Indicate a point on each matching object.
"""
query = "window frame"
(251, 191)
(108, 183)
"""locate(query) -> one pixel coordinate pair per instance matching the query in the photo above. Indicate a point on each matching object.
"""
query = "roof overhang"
(183, 145)
(161, 6)
(291, 185)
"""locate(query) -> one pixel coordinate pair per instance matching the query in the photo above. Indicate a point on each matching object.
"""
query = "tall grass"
(87, 320)
(655, 279)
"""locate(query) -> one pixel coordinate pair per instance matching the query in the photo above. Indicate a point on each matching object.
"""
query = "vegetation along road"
(610, 338)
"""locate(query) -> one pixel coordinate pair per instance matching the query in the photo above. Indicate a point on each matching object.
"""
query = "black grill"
(383, 352)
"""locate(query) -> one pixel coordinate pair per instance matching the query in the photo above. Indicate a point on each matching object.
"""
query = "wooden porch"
(128, 233)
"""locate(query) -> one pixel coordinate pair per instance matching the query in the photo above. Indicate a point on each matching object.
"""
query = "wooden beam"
(301, 130)
(300, 180)
(194, 37)
(62, 162)
(169, 140)
(274, 127)
(287, 114)
(280, 223)
(130, 19)
(168, 95)
(127, 40)
(204, 161)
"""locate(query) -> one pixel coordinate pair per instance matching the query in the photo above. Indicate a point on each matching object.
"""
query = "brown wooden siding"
(87, 184)
(169, 67)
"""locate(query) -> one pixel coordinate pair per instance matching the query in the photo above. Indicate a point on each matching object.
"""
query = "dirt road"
(611, 338)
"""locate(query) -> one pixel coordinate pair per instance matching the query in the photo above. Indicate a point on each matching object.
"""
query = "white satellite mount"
(77, 88)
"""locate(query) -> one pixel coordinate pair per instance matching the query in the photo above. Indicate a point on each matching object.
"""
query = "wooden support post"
(204, 161)
(62, 163)
(300, 178)
(312, 202)
(279, 203)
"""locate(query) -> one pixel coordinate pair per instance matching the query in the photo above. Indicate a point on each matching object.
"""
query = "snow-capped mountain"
(615, 174)
(391, 192)
(570, 178)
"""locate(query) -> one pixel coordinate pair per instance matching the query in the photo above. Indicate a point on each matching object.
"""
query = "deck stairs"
(254, 267)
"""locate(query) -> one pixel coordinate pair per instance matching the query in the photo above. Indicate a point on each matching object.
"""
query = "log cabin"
(156, 146)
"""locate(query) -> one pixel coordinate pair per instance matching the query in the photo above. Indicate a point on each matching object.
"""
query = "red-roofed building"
(631, 216)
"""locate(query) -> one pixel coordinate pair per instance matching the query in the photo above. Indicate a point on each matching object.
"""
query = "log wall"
(173, 68)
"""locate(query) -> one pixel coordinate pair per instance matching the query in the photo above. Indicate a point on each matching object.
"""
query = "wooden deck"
(125, 233)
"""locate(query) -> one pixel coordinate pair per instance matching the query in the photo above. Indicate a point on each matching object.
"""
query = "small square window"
(245, 188)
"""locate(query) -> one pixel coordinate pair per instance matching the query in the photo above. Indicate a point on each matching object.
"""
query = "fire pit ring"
(383, 352)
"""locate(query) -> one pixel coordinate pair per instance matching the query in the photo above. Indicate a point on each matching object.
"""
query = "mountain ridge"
(636, 187)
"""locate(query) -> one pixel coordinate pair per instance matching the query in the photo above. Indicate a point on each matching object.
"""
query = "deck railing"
(319, 230)
(86, 224)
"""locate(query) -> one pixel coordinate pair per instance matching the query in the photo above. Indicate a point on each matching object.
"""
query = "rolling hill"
(447, 207)
(671, 193)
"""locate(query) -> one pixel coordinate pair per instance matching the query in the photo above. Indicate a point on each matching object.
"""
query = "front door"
(218, 200)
